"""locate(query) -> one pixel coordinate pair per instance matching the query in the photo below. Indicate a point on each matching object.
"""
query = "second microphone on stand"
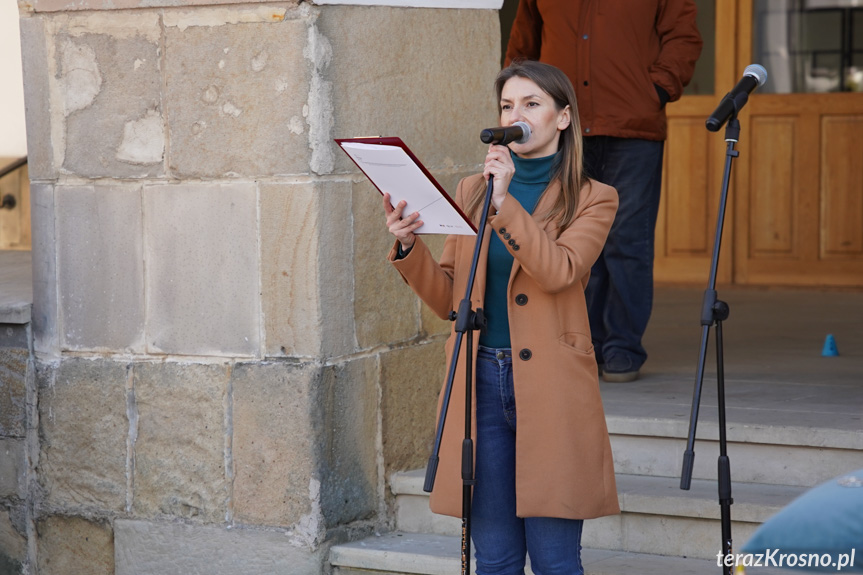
(753, 76)
(518, 133)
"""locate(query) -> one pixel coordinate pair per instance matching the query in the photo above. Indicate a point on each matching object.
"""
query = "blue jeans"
(501, 539)
(620, 291)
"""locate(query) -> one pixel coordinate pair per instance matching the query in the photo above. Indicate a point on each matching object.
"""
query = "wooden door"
(794, 215)
(15, 221)
(799, 216)
(692, 172)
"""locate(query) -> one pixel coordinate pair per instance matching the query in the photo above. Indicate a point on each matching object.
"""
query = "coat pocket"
(580, 342)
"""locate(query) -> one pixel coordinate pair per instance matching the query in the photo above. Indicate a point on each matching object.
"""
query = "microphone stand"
(466, 322)
(715, 311)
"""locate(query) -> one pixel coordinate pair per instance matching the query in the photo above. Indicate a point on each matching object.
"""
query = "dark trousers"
(620, 291)
(502, 539)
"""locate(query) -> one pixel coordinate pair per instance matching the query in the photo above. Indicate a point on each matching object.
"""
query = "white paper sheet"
(395, 173)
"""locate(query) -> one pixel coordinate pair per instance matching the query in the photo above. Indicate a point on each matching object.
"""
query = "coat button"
(502, 231)
(521, 299)
(507, 236)
(516, 247)
(525, 354)
(511, 242)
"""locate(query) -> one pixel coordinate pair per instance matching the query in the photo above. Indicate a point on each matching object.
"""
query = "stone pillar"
(227, 370)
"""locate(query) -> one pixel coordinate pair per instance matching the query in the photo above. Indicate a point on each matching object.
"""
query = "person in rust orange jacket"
(626, 60)
(543, 456)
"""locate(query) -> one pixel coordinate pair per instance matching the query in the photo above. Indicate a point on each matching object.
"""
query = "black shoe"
(619, 369)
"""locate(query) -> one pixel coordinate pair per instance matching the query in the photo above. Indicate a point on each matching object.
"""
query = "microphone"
(753, 76)
(518, 133)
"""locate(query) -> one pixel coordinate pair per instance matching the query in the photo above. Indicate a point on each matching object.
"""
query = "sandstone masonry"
(224, 369)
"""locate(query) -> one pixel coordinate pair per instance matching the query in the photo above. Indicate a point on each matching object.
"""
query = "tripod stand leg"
(467, 471)
(689, 453)
(724, 464)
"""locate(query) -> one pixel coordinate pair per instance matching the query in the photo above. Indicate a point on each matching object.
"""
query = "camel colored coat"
(564, 466)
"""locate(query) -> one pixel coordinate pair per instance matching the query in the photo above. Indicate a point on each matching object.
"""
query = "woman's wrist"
(496, 204)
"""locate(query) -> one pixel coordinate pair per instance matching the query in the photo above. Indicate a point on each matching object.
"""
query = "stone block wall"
(226, 369)
(16, 385)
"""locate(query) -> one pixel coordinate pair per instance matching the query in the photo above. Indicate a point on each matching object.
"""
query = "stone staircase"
(661, 529)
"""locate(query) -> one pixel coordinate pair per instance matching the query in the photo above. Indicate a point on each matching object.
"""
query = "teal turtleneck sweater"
(530, 180)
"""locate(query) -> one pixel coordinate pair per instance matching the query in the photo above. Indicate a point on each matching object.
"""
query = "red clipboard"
(384, 184)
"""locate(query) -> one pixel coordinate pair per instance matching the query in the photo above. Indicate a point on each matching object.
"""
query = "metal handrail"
(8, 202)
(13, 166)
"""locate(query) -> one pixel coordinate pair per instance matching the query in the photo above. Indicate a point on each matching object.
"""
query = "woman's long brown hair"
(570, 169)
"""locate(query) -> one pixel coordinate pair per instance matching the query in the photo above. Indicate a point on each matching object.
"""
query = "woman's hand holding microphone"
(498, 163)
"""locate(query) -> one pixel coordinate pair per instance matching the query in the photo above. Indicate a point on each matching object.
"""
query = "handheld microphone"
(519, 133)
(753, 76)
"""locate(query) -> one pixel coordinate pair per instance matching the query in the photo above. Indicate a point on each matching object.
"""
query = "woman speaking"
(543, 457)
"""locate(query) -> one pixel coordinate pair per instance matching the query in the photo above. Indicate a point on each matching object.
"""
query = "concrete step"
(794, 427)
(401, 553)
(16, 295)
(650, 440)
(657, 517)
